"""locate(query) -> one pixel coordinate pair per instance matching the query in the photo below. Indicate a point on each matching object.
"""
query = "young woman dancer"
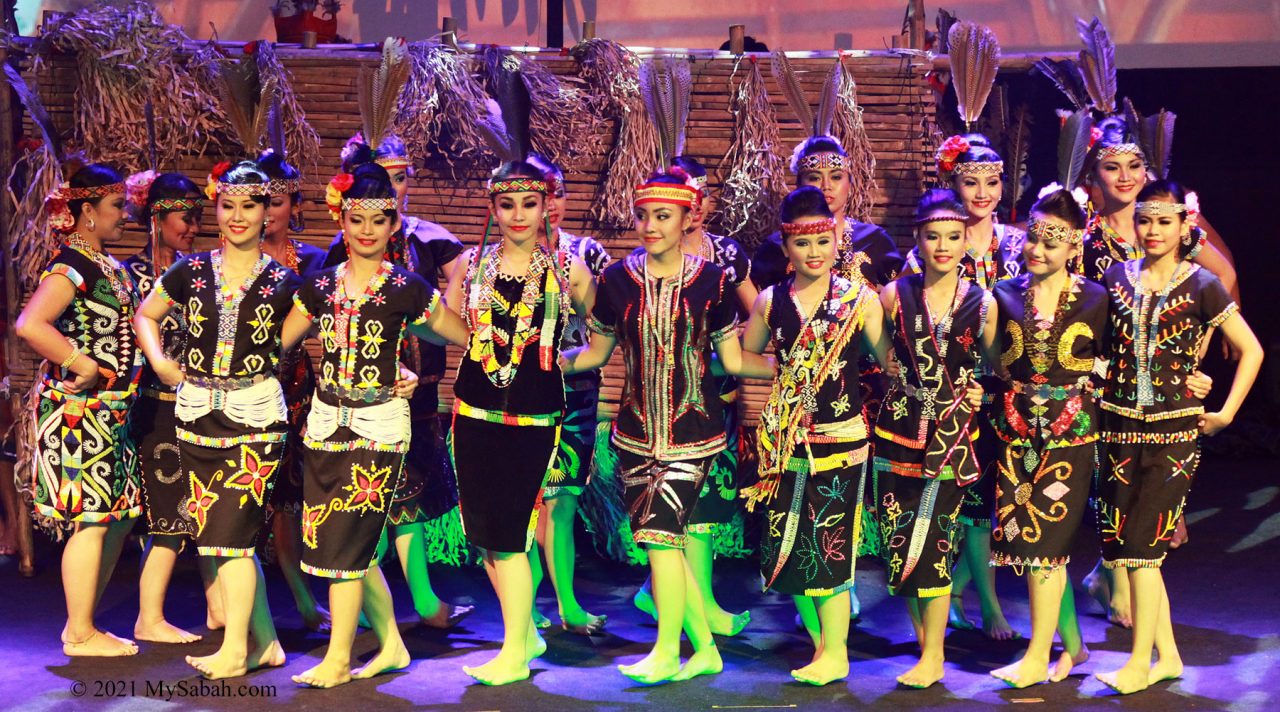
(924, 435)
(169, 205)
(80, 318)
(515, 297)
(358, 427)
(813, 435)
(667, 309)
(232, 421)
(1162, 308)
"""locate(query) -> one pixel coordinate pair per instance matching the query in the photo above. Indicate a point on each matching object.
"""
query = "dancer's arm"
(146, 327)
(1242, 339)
(590, 357)
(35, 326)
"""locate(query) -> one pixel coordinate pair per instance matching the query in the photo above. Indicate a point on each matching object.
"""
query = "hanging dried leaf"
(560, 127)
(301, 141)
(440, 106)
(850, 130)
(754, 186)
(612, 76)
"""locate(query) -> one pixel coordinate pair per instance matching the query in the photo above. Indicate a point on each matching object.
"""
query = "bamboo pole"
(9, 121)
(737, 39)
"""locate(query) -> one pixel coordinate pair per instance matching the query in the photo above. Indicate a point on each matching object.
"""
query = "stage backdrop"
(1149, 33)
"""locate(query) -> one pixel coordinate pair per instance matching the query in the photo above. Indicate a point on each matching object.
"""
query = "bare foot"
(1165, 670)
(213, 620)
(957, 618)
(162, 631)
(1180, 535)
(387, 660)
(317, 620)
(540, 621)
(219, 665)
(925, 673)
(583, 623)
(823, 670)
(1127, 680)
(704, 662)
(324, 675)
(503, 669)
(534, 646)
(997, 628)
(644, 601)
(1117, 609)
(99, 644)
(447, 616)
(272, 655)
(1067, 662)
(1023, 673)
(729, 624)
(652, 669)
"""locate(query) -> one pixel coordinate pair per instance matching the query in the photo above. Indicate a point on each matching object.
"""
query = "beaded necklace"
(941, 329)
(346, 313)
(1044, 342)
(808, 327)
(486, 337)
(1119, 248)
(111, 269)
(652, 318)
(1147, 336)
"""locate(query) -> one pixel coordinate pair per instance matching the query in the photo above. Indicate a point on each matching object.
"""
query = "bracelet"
(66, 362)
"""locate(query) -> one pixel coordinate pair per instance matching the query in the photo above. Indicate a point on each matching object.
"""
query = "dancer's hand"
(973, 393)
(894, 368)
(85, 370)
(1213, 423)
(169, 372)
(407, 383)
(1199, 384)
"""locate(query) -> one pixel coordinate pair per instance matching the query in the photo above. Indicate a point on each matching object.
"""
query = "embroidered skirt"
(1144, 476)
(918, 521)
(660, 496)
(1041, 495)
(86, 467)
(298, 381)
(501, 469)
(813, 524)
(979, 502)
(718, 498)
(577, 437)
(165, 488)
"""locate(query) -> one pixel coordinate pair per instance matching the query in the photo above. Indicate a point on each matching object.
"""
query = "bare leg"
(1168, 664)
(514, 584)
(706, 656)
(700, 554)
(411, 549)
(84, 561)
(933, 614)
(540, 620)
(345, 600)
(288, 537)
(977, 554)
(668, 571)
(561, 553)
(1045, 591)
(831, 662)
(245, 597)
(392, 653)
(215, 613)
(807, 609)
(960, 578)
(1112, 593)
(1146, 587)
(153, 584)
(1074, 651)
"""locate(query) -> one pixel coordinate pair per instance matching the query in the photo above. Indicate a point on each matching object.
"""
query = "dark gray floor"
(1223, 589)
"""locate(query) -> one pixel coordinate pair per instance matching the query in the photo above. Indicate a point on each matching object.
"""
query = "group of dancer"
(982, 390)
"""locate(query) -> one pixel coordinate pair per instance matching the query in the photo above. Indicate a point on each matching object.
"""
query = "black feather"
(29, 95)
(1067, 77)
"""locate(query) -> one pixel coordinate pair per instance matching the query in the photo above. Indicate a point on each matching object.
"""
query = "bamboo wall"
(898, 106)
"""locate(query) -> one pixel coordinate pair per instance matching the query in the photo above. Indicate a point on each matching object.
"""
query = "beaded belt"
(219, 383)
(497, 416)
(167, 396)
(357, 396)
(1049, 390)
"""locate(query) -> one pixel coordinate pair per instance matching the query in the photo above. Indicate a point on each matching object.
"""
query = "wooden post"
(555, 23)
(588, 30)
(449, 32)
(916, 30)
(737, 39)
(9, 119)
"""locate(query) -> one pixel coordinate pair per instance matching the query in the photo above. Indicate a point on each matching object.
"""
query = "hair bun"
(72, 164)
(977, 139)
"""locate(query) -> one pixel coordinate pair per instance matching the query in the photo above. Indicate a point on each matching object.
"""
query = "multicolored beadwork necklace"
(651, 309)
(1042, 343)
(486, 337)
(111, 269)
(1147, 336)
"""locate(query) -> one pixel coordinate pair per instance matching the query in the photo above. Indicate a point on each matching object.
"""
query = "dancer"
(284, 216)
(515, 297)
(359, 429)
(427, 491)
(667, 309)
(813, 435)
(925, 432)
(80, 317)
(169, 206)
(232, 422)
(572, 467)
(1053, 324)
(992, 254)
(1162, 307)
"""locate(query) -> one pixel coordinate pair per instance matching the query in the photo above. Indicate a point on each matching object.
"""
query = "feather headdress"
(665, 86)
(975, 60)
(378, 90)
(246, 97)
(505, 125)
(1155, 136)
(1073, 147)
(1090, 81)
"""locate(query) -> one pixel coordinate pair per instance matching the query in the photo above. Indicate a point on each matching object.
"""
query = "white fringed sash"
(384, 423)
(256, 406)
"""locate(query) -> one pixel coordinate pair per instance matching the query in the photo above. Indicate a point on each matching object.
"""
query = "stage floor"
(1223, 589)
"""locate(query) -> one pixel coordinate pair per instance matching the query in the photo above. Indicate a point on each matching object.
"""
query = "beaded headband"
(673, 193)
(942, 217)
(349, 204)
(173, 205)
(517, 185)
(1054, 233)
(284, 186)
(979, 168)
(393, 162)
(820, 161)
(1160, 208)
(248, 189)
(817, 227)
(57, 208)
(1120, 149)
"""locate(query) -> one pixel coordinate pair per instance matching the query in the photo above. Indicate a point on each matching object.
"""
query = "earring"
(1186, 235)
(222, 241)
(297, 223)
(92, 225)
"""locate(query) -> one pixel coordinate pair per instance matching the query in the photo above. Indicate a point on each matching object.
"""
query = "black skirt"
(166, 490)
(1040, 499)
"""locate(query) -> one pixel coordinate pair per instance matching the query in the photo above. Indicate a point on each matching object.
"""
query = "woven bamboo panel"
(898, 106)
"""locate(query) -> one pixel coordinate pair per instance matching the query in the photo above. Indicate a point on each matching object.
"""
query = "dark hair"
(92, 175)
(1062, 205)
(371, 181)
(549, 169)
(1114, 131)
(936, 200)
(247, 173)
(517, 169)
(170, 186)
(277, 168)
(980, 150)
(1174, 193)
(690, 165)
(356, 154)
(805, 202)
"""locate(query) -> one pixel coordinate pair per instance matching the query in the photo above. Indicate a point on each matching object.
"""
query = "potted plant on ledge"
(293, 17)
